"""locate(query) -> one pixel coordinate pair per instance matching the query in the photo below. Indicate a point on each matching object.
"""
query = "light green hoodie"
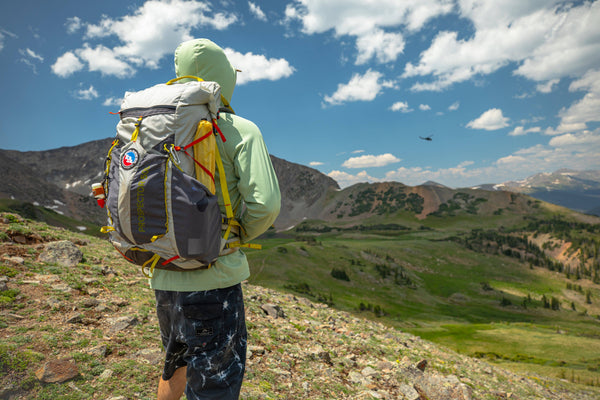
(251, 180)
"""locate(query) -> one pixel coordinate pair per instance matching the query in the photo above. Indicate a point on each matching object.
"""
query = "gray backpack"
(159, 184)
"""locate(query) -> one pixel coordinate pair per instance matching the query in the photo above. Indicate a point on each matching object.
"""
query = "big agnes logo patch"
(130, 159)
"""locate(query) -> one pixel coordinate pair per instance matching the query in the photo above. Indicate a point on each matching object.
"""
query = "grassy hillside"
(491, 287)
(95, 323)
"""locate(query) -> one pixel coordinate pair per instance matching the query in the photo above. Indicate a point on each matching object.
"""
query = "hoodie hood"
(204, 59)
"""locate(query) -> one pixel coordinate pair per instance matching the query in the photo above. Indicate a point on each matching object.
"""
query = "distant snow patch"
(70, 185)
(82, 228)
(60, 203)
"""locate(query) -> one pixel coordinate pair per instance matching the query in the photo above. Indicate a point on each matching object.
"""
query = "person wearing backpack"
(201, 312)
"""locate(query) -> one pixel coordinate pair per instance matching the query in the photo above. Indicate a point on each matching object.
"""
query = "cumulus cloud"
(256, 67)
(73, 24)
(369, 161)
(86, 94)
(360, 88)
(345, 179)
(424, 107)
(144, 37)
(367, 22)
(536, 35)
(454, 106)
(401, 106)
(547, 87)
(520, 131)
(418, 175)
(104, 60)
(576, 116)
(490, 120)
(382, 46)
(257, 11)
(113, 102)
(67, 64)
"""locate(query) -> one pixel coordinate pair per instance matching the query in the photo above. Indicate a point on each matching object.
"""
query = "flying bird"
(428, 138)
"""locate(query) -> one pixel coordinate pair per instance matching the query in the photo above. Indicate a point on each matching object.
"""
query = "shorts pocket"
(204, 326)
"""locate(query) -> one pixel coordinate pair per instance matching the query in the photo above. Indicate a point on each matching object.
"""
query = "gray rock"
(63, 253)
(273, 310)
(119, 324)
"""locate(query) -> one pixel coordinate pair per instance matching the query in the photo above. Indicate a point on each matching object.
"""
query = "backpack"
(159, 179)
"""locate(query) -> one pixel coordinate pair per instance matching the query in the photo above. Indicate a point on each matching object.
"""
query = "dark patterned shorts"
(205, 331)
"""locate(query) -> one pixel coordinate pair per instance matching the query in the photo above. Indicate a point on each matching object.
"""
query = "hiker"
(201, 312)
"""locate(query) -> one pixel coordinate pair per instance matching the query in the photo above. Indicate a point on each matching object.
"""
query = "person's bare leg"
(174, 387)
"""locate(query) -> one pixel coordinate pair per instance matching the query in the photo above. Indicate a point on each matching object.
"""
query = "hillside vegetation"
(77, 322)
(505, 278)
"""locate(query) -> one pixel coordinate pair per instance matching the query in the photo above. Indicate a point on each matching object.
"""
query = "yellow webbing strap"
(223, 99)
(137, 129)
(224, 190)
(106, 229)
(152, 261)
(109, 156)
(248, 245)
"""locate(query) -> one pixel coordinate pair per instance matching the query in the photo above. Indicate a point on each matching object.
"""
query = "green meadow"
(420, 277)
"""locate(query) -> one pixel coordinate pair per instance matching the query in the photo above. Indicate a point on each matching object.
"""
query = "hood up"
(206, 60)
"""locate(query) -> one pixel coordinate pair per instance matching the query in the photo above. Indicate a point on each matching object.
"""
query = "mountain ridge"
(60, 179)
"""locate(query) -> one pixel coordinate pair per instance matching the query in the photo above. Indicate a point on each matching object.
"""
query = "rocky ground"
(77, 322)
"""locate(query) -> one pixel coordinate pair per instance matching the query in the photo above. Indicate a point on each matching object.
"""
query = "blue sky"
(507, 88)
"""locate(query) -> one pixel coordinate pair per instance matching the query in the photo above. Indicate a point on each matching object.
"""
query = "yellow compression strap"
(248, 245)
(137, 129)
(225, 193)
(106, 229)
(223, 99)
(152, 261)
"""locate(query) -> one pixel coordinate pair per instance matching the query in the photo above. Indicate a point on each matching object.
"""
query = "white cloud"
(535, 35)
(454, 106)
(575, 117)
(30, 58)
(144, 37)
(417, 175)
(577, 140)
(357, 151)
(257, 11)
(3, 34)
(401, 106)
(367, 21)
(256, 67)
(360, 88)
(547, 87)
(112, 102)
(315, 163)
(86, 94)
(490, 120)
(73, 24)
(369, 161)
(67, 64)
(382, 46)
(104, 60)
(345, 179)
(520, 131)
(32, 54)
(424, 107)
(577, 151)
